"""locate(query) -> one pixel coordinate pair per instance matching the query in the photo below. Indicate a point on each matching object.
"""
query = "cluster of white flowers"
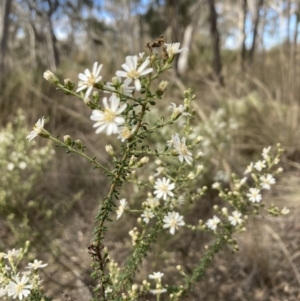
(262, 180)
(15, 283)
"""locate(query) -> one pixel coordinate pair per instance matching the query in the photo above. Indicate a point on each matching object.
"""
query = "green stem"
(82, 154)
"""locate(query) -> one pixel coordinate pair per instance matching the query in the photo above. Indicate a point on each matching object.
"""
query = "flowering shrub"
(167, 189)
(16, 282)
(21, 165)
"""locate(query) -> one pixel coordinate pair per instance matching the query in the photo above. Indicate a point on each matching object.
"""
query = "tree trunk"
(215, 36)
(243, 46)
(182, 64)
(5, 6)
(255, 30)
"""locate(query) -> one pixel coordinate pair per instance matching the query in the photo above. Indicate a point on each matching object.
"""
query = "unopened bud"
(96, 95)
(115, 81)
(109, 149)
(143, 161)
(78, 144)
(50, 77)
(67, 139)
(132, 160)
(199, 139)
(87, 101)
(69, 84)
(162, 87)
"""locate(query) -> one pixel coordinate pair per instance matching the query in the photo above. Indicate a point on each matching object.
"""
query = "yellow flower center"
(133, 74)
(91, 80)
(109, 115)
(20, 288)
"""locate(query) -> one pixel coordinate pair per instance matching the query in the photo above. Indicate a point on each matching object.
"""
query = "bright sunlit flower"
(172, 221)
(267, 181)
(19, 287)
(36, 264)
(173, 49)
(235, 218)
(37, 129)
(254, 195)
(156, 275)
(212, 223)
(122, 207)
(180, 146)
(163, 188)
(109, 119)
(89, 79)
(133, 72)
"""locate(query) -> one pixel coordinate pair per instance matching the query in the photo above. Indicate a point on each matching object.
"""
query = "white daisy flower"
(158, 291)
(212, 223)
(254, 195)
(88, 79)
(180, 146)
(172, 221)
(133, 72)
(177, 111)
(260, 165)
(125, 132)
(36, 264)
(37, 129)
(163, 188)
(147, 215)
(12, 253)
(267, 181)
(109, 119)
(19, 287)
(122, 207)
(156, 275)
(173, 49)
(235, 218)
(265, 152)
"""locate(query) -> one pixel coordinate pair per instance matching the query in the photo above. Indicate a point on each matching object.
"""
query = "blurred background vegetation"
(243, 63)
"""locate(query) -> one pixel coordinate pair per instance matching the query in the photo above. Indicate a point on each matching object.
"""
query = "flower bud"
(109, 149)
(69, 84)
(199, 139)
(162, 87)
(87, 101)
(50, 77)
(115, 81)
(96, 95)
(143, 161)
(78, 144)
(67, 139)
